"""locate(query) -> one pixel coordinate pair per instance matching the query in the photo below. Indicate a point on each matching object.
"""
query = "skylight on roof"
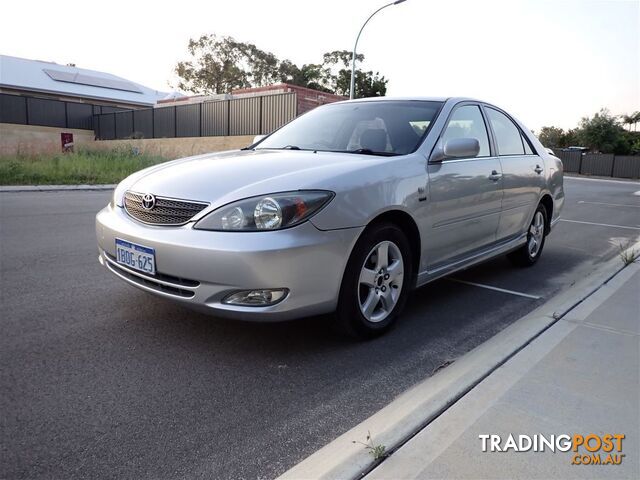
(83, 79)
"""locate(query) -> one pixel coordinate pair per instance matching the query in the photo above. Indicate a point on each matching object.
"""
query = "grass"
(82, 167)
(627, 254)
(378, 452)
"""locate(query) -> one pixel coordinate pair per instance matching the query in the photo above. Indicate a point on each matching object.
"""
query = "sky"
(548, 62)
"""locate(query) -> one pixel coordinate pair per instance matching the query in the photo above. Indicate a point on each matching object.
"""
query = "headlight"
(266, 212)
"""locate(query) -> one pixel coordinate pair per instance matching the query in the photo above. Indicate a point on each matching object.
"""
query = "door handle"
(538, 169)
(495, 176)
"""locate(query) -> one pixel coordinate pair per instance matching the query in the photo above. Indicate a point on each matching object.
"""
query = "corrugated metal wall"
(242, 116)
(143, 123)
(276, 111)
(245, 116)
(124, 124)
(164, 122)
(13, 109)
(46, 112)
(597, 164)
(215, 119)
(600, 164)
(79, 115)
(570, 160)
(188, 120)
(626, 166)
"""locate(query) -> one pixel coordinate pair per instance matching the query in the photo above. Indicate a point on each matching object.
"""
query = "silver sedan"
(347, 209)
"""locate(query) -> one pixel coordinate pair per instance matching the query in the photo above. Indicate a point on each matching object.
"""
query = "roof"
(49, 77)
(404, 99)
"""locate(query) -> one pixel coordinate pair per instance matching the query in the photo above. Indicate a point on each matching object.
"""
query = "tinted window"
(467, 122)
(507, 134)
(527, 147)
(385, 127)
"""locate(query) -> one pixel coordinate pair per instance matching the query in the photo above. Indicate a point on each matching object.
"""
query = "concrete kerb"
(409, 413)
(54, 188)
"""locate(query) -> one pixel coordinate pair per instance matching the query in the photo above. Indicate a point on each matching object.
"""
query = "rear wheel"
(376, 282)
(530, 252)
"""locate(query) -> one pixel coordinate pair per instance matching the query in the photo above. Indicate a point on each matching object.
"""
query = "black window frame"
(523, 136)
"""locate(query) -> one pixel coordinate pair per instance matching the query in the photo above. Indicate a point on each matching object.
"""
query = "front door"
(465, 194)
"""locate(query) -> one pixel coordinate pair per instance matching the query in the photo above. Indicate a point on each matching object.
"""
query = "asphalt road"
(100, 380)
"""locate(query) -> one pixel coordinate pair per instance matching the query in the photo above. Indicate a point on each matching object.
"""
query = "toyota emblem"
(148, 201)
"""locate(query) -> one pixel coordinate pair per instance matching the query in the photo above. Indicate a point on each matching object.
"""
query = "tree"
(555, 137)
(367, 84)
(222, 64)
(551, 137)
(603, 133)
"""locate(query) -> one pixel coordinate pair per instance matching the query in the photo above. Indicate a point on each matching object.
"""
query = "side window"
(467, 122)
(527, 147)
(507, 134)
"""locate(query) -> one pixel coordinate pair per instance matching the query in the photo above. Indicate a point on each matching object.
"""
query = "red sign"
(66, 140)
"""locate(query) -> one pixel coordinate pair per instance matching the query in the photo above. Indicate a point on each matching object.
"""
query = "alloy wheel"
(380, 282)
(536, 234)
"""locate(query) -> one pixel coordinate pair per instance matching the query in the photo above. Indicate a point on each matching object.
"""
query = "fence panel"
(107, 126)
(570, 160)
(124, 124)
(244, 116)
(164, 122)
(277, 110)
(79, 115)
(45, 112)
(625, 166)
(215, 119)
(597, 164)
(13, 109)
(143, 123)
(188, 120)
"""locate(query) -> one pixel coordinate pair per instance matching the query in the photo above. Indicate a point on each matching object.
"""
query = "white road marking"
(628, 182)
(489, 287)
(600, 224)
(610, 204)
(637, 193)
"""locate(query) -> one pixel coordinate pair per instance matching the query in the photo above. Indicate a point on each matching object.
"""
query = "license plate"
(136, 256)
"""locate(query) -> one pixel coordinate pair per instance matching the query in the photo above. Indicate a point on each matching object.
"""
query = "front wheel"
(530, 252)
(376, 282)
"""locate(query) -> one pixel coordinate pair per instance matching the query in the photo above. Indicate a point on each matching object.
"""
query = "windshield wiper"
(368, 151)
(291, 147)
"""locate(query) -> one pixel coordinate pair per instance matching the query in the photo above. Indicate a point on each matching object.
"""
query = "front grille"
(160, 282)
(166, 211)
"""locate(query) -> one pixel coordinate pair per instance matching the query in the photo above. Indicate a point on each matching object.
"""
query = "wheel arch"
(408, 225)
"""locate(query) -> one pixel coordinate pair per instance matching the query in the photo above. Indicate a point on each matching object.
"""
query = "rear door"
(522, 174)
(465, 194)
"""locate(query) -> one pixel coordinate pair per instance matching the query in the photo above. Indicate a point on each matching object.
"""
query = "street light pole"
(353, 58)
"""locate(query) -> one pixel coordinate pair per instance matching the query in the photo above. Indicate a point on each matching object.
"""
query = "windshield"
(375, 128)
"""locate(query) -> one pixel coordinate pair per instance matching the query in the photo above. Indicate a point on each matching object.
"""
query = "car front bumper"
(200, 268)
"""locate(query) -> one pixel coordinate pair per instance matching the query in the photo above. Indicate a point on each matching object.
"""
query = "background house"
(40, 100)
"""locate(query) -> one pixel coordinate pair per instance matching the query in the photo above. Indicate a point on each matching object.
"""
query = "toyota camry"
(345, 209)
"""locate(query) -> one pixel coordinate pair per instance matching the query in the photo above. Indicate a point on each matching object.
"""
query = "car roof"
(424, 99)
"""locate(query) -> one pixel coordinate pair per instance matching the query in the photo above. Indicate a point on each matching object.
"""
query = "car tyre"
(530, 252)
(376, 283)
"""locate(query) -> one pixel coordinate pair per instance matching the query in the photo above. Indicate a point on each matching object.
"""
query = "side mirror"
(456, 148)
(257, 138)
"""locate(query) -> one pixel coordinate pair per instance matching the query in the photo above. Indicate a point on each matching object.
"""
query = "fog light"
(256, 298)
